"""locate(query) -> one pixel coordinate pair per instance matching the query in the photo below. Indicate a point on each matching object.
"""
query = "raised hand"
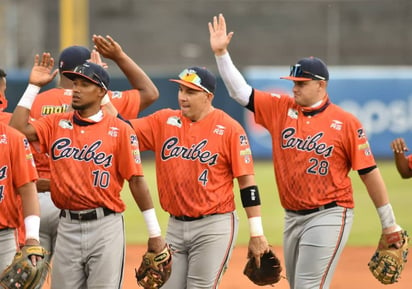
(42, 72)
(219, 38)
(107, 47)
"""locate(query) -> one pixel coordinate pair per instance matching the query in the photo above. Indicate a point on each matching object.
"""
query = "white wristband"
(105, 99)
(32, 226)
(151, 222)
(386, 216)
(28, 96)
(255, 226)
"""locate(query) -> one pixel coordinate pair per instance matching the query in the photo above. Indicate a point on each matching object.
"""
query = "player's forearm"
(376, 187)
(235, 83)
(140, 192)
(139, 80)
(20, 117)
(29, 198)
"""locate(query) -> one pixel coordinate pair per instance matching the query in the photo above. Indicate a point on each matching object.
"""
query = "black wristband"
(250, 196)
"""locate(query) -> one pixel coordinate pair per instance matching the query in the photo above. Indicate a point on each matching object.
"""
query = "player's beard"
(81, 106)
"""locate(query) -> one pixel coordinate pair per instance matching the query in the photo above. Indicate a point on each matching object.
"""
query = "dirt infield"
(352, 271)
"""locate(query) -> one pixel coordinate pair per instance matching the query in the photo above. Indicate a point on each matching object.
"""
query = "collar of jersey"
(309, 111)
(81, 121)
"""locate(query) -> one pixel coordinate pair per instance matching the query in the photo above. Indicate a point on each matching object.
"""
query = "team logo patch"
(361, 133)
(116, 94)
(133, 140)
(3, 139)
(243, 140)
(175, 121)
(65, 123)
(247, 155)
(136, 156)
(113, 131)
(219, 129)
(52, 109)
(336, 124)
(26, 144)
(275, 95)
(293, 113)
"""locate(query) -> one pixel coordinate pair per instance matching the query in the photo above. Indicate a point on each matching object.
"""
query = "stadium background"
(366, 43)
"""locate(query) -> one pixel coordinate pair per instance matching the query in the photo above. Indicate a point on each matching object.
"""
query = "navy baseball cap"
(309, 68)
(198, 78)
(73, 56)
(92, 72)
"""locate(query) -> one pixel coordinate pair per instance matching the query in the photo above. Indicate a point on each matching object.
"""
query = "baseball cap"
(309, 68)
(73, 56)
(92, 72)
(198, 78)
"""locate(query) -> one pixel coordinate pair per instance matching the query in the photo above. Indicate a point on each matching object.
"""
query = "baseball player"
(58, 100)
(5, 118)
(91, 154)
(315, 145)
(403, 162)
(18, 195)
(199, 151)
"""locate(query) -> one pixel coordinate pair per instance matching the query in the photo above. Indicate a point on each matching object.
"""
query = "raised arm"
(138, 79)
(41, 74)
(235, 83)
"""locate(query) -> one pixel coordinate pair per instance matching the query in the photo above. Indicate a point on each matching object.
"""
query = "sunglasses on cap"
(89, 73)
(191, 76)
(297, 71)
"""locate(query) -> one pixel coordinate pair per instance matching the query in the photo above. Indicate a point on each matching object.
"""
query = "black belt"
(310, 211)
(190, 219)
(4, 229)
(88, 216)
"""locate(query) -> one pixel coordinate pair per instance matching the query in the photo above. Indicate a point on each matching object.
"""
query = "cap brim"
(188, 84)
(296, 78)
(72, 75)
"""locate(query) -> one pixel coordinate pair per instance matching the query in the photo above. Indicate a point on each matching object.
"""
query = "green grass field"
(365, 230)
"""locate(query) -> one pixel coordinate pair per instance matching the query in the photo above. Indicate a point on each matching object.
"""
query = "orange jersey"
(58, 100)
(17, 168)
(313, 154)
(195, 161)
(410, 161)
(5, 117)
(89, 160)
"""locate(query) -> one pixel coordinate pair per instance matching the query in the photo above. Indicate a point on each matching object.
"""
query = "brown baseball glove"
(21, 274)
(269, 271)
(155, 269)
(389, 259)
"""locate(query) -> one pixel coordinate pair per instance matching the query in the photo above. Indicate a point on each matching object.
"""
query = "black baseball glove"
(269, 271)
(21, 274)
